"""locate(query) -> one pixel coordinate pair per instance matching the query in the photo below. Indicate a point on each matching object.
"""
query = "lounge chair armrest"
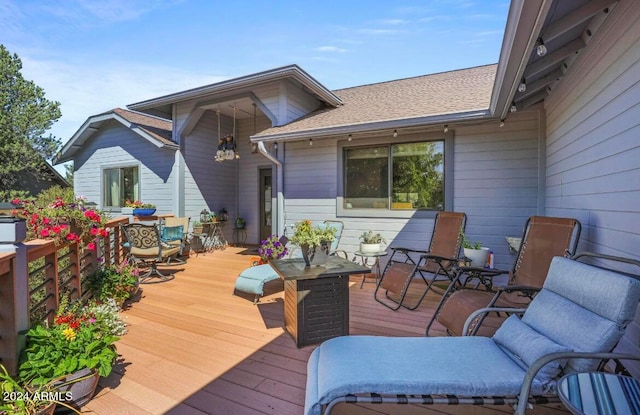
(437, 258)
(541, 362)
(487, 310)
(522, 288)
(406, 250)
(489, 273)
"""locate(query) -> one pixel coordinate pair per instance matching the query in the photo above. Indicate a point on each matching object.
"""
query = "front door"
(266, 208)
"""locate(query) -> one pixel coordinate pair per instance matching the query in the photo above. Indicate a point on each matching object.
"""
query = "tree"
(25, 116)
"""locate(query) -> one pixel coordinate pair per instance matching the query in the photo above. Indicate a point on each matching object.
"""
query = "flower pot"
(369, 248)
(126, 211)
(315, 256)
(144, 211)
(478, 257)
(81, 385)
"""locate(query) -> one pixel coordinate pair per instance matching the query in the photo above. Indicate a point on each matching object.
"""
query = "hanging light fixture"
(523, 85)
(311, 141)
(541, 49)
(446, 128)
(513, 108)
(501, 123)
(395, 133)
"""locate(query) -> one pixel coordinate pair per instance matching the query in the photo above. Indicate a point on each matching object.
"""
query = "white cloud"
(85, 89)
(330, 49)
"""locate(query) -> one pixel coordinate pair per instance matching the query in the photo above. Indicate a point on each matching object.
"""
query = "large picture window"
(396, 176)
(120, 184)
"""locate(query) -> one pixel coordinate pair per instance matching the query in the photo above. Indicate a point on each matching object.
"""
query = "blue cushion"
(528, 345)
(172, 233)
(252, 279)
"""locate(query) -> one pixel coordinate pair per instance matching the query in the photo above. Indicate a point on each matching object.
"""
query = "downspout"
(280, 181)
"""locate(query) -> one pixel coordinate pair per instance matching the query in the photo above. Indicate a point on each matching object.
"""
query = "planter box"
(126, 211)
(144, 211)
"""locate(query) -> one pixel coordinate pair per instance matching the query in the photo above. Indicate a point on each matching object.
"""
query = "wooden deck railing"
(50, 272)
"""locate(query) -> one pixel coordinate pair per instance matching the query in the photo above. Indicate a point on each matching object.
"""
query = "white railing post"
(13, 232)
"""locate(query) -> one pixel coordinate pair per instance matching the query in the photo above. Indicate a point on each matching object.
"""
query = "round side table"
(374, 258)
(239, 236)
(596, 393)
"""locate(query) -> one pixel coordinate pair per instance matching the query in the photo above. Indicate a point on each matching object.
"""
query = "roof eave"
(524, 23)
(374, 126)
(233, 85)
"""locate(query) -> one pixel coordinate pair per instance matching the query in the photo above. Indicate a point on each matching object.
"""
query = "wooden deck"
(195, 348)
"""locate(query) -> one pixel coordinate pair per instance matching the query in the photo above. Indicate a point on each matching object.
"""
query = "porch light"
(514, 108)
(395, 133)
(446, 128)
(311, 141)
(523, 86)
(541, 49)
(501, 123)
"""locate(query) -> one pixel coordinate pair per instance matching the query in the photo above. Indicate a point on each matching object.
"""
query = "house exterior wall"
(208, 184)
(115, 145)
(496, 183)
(593, 149)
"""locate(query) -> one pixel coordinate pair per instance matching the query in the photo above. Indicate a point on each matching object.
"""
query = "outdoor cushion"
(252, 279)
(479, 368)
(528, 345)
(172, 233)
(573, 310)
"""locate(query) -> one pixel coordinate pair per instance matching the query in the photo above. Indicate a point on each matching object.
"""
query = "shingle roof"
(443, 93)
(158, 128)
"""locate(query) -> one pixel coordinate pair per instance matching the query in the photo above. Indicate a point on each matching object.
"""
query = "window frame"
(119, 166)
(389, 212)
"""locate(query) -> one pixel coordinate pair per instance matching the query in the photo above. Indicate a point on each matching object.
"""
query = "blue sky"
(95, 55)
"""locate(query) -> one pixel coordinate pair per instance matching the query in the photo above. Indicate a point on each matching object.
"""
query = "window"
(403, 176)
(120, 184)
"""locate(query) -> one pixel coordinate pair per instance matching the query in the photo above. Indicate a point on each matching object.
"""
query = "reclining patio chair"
(574, 322)
(543, 238)
(174, 232)
(147, 250)
(433, 265)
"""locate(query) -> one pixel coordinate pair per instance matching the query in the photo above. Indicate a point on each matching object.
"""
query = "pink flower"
(91, 246)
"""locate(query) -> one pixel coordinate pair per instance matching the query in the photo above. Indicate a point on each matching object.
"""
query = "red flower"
(44, 233)
(95, 231)
(72, 237)
(91, 246)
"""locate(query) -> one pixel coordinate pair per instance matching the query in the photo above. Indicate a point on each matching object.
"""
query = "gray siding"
(593, 124)
(208, 184)
(115, 145)
(496, 176)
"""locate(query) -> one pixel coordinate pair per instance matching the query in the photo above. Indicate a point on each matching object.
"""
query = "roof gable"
(156, 130)
(393, 104)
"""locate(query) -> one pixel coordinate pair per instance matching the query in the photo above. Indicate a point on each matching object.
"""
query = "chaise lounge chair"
(431, 266)
(570, 326)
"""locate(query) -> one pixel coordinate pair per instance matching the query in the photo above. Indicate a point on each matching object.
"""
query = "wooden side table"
(599, 393)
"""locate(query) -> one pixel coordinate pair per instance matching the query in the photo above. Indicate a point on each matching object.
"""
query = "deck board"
(194, 347)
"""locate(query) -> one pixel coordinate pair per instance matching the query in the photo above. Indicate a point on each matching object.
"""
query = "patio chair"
(174, 232)
(570, 326)
(543, 238)
(147, 250)
(433, 265)
(253, 279)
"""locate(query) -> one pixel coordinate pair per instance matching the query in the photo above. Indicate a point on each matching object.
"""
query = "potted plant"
(240, 223)
(272, 248)
(62, 220)
(474, 252)
(117, 281)
(20, 399)
(79, 345)
(139, 208)
(371, 242)
(314, 241)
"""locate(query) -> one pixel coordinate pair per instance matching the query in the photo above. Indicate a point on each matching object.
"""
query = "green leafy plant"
(138, 204)
(19, 399)
(272, 248)
(372, 238)
(116, 281)
(466, 243)
(307, 234)
(78, 338)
